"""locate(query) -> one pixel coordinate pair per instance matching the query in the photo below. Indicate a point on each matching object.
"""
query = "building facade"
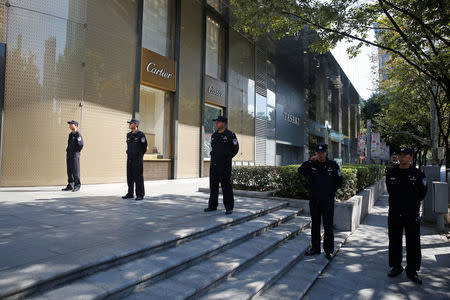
(172, 64)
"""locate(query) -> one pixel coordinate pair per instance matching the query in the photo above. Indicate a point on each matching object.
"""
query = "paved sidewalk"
(44, 231)
(359, 270)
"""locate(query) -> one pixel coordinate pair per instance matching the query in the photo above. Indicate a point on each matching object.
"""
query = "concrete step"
(298, 280)
(120, 279)
(249, 282)
(39, 280)
(209, 273)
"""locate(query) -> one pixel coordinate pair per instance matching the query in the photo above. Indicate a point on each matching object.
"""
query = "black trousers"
(322, 209)
(73, 169)
(135, 170)
(411, 224)
(222, 175)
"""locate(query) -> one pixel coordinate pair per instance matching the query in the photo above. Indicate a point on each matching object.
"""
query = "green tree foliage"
(405, 99)
(415, 30)
(415, 34)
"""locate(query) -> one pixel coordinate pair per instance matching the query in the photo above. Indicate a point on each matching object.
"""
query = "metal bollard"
(440, 203)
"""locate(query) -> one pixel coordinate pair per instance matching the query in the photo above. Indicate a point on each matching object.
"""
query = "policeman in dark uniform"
(74, 146)
(325, 178)
(136, 147)
(224, 146)
(407, 186)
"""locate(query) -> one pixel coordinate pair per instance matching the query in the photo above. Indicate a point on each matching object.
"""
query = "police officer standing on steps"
(407, 186)
(136, 147)
(224, 146)
(325, 179)
(74, 146)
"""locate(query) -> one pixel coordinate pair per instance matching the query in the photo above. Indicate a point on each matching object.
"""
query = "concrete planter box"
(347, 215)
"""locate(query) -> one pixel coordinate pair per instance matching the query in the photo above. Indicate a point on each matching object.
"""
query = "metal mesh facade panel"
(270, 152)
(48, 46)
(260, 142)
(3, 20)
(188, 151)
(241, 95)
(191, 62)
(73, 10)
(261, 72)
(110, 55)
(189, 106)
(35, 128)
(246, 148)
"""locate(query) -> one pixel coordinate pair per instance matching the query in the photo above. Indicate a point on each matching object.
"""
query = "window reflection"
(155, 121)
(261, 106)
(214, 49)
(211, 112)
(157, 26)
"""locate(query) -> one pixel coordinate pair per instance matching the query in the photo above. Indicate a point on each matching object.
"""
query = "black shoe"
(67, 189)
(128, 196)
(76, 189)
(139, 198)
(312, 252)
(209, 209)
(395, 271)
(328, 256)
(414, 277)
(229, 212)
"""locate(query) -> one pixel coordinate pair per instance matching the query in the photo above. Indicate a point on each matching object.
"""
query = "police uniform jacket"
(324, 178)
(136, 144)
(224, 147)
(74, 143)
(406, 188)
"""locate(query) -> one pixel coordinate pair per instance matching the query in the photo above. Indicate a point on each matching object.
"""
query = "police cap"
(134, 121)
(321, 147)
(73, 122)
(406, 150)
(221, 119)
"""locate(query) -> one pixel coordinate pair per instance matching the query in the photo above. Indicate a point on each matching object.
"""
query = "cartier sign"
(215, 91)
(158, 71)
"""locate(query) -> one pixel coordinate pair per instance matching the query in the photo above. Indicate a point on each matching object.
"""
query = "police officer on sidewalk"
(407, 186)
(74, 147)
(224, 146)
(325, 178)
(136, 147)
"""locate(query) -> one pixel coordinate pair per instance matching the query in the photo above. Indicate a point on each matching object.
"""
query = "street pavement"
(45, 231)
(359, 269)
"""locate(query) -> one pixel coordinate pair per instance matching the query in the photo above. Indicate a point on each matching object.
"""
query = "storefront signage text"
(152, 68)
(158, 71)
(291, 118)
(215, 91)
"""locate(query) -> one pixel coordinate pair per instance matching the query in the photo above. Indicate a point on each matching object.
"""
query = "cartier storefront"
(173, 64)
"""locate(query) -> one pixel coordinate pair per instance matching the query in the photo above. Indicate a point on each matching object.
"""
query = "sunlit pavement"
(44, 231)
(359, 269)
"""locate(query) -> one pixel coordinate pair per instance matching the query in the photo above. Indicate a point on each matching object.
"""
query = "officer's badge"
(143, 140)
(235, 142)
(79, 138)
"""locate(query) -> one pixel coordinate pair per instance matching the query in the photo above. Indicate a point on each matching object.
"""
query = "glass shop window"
(155, 109)
(211, 112)
(215, 49)
(158, 26)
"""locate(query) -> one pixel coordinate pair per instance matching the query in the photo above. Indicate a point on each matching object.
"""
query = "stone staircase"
(256, 256)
